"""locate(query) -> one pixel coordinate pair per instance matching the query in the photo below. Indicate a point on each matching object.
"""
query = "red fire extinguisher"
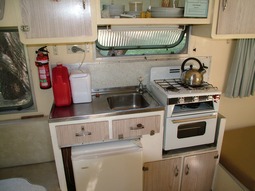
(42, 62)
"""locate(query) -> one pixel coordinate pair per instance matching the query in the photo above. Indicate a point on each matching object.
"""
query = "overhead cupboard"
(231, 20)
(53, 21)
(234, 19)
(126, 13)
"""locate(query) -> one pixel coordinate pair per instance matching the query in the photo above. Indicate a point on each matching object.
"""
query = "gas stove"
(190, 112)
(166, 84)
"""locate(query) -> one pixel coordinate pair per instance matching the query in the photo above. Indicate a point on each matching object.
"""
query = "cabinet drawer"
(82, 133)
(134, 127)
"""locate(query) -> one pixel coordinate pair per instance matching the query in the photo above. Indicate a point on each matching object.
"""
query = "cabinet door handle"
(83, 133)
(176, 171)
(145, 168)
(138, 127)
(187, 169)
(84, 4)
(224, 4)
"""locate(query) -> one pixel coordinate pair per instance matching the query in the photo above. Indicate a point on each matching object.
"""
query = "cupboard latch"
(25, 28)
(145, 168)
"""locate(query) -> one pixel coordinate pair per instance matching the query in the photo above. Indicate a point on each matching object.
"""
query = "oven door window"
(191, 130)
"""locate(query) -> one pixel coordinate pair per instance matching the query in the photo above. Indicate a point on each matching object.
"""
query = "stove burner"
(172, 88)
(167, 85)
(176, 85)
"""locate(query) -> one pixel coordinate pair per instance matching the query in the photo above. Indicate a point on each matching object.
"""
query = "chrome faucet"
(140, 86)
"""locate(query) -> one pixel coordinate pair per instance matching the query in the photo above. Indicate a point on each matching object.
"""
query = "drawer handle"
(83, 133)
(138, 127)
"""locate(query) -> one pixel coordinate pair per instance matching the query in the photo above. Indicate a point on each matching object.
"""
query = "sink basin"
(127, 101)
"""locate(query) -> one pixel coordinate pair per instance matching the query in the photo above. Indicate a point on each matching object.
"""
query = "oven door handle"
(213, 116)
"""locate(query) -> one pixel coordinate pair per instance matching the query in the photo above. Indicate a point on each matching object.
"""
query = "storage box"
(196, 8)
(81, 86)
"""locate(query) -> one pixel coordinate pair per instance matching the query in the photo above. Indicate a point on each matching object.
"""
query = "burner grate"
(176, 85)
(167, 85)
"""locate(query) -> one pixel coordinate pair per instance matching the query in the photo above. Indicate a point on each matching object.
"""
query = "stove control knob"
(195, 99)
(209, 98)
(181, 100)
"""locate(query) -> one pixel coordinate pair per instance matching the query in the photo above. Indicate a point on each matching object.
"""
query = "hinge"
(216, 156)
(25, 28)
(120, 136)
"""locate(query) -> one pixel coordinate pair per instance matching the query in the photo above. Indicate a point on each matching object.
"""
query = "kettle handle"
(191, 58)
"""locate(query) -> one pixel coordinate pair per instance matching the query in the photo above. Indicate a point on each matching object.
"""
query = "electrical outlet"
(76, 49)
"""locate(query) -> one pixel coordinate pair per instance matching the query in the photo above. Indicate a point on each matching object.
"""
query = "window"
(137, 40)
(15, 89)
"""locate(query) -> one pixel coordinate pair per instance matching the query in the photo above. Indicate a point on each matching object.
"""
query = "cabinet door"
(236, 17)
(162, 175)
(82, 133)
(135, 127)
(198, 172)
(57, 21)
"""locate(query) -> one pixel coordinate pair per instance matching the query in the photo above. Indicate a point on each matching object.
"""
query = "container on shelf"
(136, 6)
(81, 86)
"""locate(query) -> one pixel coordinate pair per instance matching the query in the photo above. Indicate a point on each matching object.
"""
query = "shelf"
(154, 21)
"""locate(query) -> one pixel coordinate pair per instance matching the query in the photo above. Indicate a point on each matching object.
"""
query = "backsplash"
(105, 75)
(127, 73)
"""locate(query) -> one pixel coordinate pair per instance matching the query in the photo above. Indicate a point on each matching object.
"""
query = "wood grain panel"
(126, 128)
(66, 134)
(52, 19)
(162, 175)
(198, 172)
(237, 18)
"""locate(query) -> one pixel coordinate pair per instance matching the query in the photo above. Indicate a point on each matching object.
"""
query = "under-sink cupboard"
(146, 126)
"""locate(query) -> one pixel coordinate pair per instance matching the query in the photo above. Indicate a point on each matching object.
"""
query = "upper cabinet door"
(56, 21)
(233, 19)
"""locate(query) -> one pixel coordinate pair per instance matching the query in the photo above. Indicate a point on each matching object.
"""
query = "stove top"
(166, 82)
(172, 88)
(176, 85)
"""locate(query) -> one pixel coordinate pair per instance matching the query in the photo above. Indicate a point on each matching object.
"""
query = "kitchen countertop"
(99, 106)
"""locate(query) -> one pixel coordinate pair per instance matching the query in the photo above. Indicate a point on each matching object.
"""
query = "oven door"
(188, 131)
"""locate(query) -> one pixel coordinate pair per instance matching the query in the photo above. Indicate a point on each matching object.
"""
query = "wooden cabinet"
(68, 133)
(233, 19)
(77, 134)
(162, 175)
(135, 127)
(146, 21)
(54, 21)
(194, 172)
(198, 172)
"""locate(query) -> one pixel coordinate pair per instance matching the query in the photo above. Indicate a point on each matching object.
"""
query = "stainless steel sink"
(127, 101)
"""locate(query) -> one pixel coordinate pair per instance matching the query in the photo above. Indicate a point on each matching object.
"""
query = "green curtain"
(241, 80)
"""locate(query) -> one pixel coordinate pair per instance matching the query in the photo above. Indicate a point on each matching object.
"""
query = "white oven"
(188, 131)
(191, 112)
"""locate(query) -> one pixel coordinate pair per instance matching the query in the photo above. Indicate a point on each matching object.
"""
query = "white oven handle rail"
(213, 116)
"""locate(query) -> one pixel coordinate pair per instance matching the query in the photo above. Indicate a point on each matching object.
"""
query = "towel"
(19, 184)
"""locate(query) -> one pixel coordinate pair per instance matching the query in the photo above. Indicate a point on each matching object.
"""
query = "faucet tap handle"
(140, 79)
(140, 86)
